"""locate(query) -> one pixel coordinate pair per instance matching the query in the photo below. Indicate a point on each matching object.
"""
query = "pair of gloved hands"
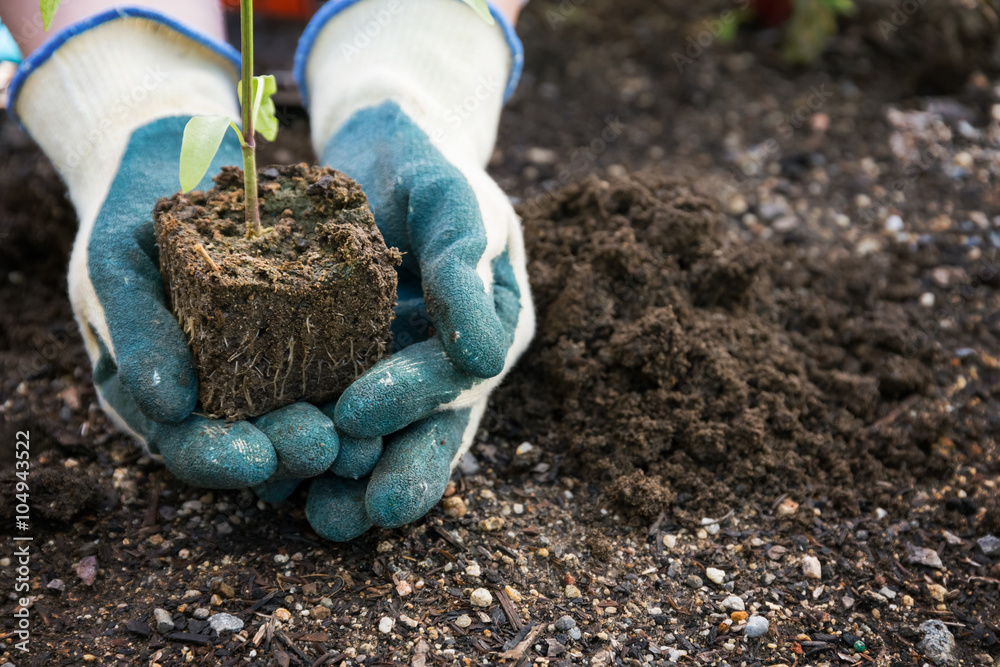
(412, 116)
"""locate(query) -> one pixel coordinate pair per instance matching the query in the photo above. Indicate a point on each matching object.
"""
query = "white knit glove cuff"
(83, 93)
(447, 69)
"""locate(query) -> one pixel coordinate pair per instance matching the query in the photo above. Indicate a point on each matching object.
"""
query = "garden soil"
(766, 367)
(696, 368)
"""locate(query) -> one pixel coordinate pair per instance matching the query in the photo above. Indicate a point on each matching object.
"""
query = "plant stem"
(251, 204)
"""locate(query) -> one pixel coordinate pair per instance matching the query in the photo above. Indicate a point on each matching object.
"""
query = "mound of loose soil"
(694, 370)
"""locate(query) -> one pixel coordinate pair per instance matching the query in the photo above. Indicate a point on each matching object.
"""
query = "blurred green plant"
(812, 24)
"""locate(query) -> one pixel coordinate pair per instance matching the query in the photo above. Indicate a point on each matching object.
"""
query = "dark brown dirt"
(294, 315)
(810, 188)
(731, 370)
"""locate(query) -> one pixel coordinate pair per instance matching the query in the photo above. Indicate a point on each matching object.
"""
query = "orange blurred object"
(283, 9)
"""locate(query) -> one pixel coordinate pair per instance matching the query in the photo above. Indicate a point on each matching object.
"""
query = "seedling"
(203, 134)
(48, 9)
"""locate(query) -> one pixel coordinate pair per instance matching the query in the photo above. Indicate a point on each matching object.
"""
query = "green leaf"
(202, 137)
(812, 25)
(265, 121)
(48, 8)
(482, 9)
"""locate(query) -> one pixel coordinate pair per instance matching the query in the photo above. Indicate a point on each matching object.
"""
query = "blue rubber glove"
(108, 100)
(412, 117)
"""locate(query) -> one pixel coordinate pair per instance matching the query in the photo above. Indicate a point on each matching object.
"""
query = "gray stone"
(923, 556)
(694, 581)
(990, 545)
(575, 633)
(938, 643)
(164, 621)
(757, 626)
(565, 623)
(201, 613)
(733, 603)
(224, 622)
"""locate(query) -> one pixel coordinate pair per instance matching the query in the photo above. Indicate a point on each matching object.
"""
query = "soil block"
(294, 315)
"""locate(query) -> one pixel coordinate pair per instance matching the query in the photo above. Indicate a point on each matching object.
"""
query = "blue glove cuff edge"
(45, 51)
(334, 7)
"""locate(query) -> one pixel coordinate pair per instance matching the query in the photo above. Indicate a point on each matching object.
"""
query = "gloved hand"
(412, 116)
(108, 100)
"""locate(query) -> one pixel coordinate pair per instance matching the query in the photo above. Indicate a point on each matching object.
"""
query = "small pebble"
(523, 448)
(937, 592)
(756, 627)
(403, 588)
(733, 603)
(481, 598)
(463, 621)
(164, 621)
(811, 567)
(938, 643)
(491, 523)
(224, 622)
(473, 569)
(693, 581)
(924, 556)
(572, 592)
(575, 633)
(512, 593)
(282, 614)
(990, 545)
(788, 507)
(565, 623)
(670, 541)
(385, 625)
(715, 575)
(454, 507)
(894, 223)
(201, 613)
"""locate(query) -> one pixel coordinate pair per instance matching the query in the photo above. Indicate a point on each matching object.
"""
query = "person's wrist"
(83, 94)
(446, 68)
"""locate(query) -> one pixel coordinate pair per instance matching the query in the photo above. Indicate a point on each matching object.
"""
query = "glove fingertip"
(276, 490)
(304, 438)
(484, 357)
(164, 386)
(212, 454)
(355, 418)
(336, 508)
(357, 458)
